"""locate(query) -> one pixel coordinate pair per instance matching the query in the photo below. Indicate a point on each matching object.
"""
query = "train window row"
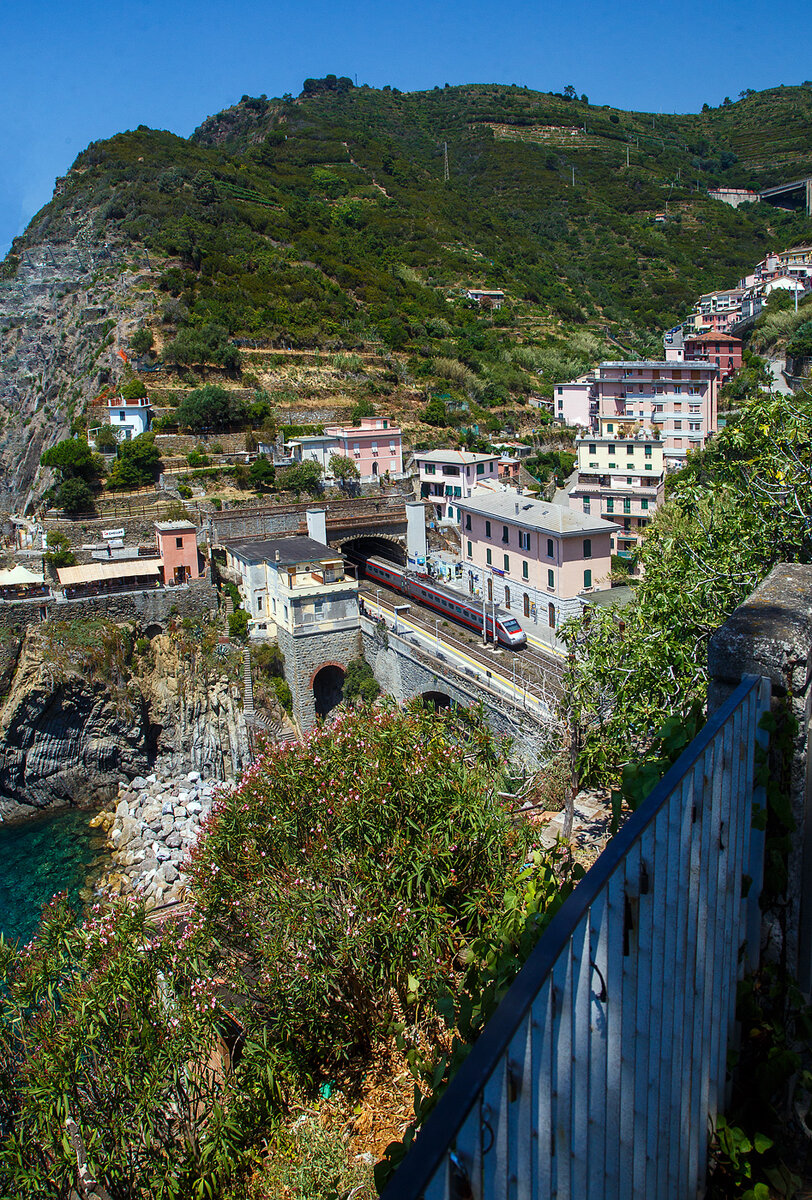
(449, 604)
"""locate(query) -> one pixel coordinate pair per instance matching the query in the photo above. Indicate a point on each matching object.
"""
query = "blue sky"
(76, 72)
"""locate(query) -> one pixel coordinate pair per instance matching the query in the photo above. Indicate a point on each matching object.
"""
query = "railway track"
(527, 668)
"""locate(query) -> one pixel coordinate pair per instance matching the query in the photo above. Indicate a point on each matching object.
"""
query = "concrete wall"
(771, 635)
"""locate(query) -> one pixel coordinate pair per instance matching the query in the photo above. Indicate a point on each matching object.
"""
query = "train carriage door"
(551, 615)
(507, 597)
(526, 605)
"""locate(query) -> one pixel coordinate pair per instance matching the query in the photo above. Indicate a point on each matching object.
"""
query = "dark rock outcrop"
(69, 738)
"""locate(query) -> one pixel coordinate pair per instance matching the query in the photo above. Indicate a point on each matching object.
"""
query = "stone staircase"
(274, 728)
(248, 685)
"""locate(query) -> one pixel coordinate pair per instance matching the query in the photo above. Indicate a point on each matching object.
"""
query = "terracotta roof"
(713, 337)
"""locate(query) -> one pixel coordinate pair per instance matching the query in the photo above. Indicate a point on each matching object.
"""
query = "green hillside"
(326, 220)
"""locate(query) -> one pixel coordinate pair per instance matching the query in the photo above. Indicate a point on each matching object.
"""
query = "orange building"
(177, 546)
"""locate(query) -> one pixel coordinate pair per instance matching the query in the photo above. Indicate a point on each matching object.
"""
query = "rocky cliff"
(68, 735)
(68, 302)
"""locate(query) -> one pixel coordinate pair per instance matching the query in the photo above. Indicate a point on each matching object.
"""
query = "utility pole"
(445, 162)
(573, 176)
(627, 156)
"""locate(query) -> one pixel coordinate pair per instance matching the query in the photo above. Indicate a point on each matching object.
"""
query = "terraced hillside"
(325, 223)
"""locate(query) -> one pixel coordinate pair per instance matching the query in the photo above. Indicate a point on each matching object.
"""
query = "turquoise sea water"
(48, 854)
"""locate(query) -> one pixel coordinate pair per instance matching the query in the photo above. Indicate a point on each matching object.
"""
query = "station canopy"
(104, 572)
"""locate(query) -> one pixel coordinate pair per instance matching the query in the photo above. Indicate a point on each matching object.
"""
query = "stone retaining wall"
(770, 634)
(405, 672)
(153, 607)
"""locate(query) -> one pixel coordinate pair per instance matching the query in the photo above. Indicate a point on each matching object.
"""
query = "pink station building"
(533, 558)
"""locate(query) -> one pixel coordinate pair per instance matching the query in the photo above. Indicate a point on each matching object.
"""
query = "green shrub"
(283, 694)
(238, 625)
(137, 465)
(198, 347)
(74, 496)
(142, 340)
(360, 682)
(210, 407)
(134, 390)
(362, 861)
(59, 550)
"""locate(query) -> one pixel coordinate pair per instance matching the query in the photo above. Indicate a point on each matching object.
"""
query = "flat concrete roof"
(290, 551)
(671, 364)
(610, 597)
(458, 457)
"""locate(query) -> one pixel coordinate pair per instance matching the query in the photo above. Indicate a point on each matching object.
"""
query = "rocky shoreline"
(151, 830)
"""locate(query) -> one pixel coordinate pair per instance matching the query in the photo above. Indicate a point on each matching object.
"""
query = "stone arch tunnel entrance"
(436, 700)
(327, 684)
(358, 549)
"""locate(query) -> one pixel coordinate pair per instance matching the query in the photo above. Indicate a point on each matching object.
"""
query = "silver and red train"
(446, 601)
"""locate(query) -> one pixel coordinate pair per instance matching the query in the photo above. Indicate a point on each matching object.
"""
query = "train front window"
(512, 626)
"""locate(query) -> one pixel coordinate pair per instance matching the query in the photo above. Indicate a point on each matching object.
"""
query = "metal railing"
(598, 1075)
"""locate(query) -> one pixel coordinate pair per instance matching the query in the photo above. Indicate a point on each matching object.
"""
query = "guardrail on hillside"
(598, 1074)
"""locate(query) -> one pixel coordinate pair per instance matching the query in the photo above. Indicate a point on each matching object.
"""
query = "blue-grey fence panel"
(600, 1071)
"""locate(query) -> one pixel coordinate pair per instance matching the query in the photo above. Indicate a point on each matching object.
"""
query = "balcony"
(602, 1068)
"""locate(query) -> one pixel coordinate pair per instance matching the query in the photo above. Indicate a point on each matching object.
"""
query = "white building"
(491, 297)
(446, 476)
(318, 448)
(128, 418)
(295, 584)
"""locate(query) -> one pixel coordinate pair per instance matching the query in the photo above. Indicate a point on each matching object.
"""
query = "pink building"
(715, 312)
(447, 476)
(795, 262)
(677, 399)
(646, 416)
(572, 402)
(374, 446)
(509, 469)
(533, 558)
(177, 546)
